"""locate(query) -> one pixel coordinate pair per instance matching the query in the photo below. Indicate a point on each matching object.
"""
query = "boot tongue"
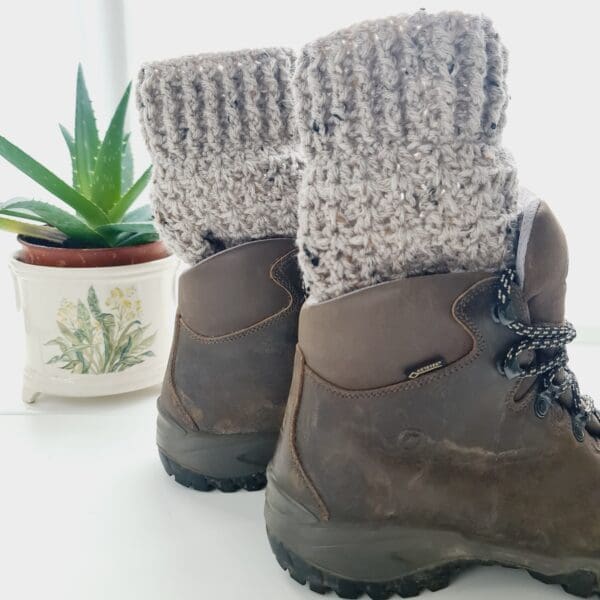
(542, 266)
(542, 263)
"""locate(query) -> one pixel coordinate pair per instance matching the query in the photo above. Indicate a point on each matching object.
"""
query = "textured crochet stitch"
(401, 120)
(224, 145)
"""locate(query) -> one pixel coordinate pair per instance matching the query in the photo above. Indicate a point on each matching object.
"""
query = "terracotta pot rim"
(43, 255)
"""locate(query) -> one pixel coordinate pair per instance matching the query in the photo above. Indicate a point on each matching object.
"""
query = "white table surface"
(87, 512)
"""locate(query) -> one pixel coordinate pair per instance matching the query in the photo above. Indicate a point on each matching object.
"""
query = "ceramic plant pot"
(93, 328)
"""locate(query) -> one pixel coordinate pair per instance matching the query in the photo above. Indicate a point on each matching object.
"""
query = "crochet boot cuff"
(401, 122)
(222, 136)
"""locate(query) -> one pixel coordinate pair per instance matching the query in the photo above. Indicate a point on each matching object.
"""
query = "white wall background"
(553, 124)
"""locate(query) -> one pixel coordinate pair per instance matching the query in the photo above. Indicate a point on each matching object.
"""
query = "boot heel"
(354, 559)
(205, 461)
(322, 581)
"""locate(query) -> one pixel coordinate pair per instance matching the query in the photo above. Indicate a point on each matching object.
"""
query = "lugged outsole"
(579, 583)
(205, 483)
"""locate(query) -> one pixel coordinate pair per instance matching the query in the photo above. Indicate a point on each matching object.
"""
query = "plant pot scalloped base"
(30, 395)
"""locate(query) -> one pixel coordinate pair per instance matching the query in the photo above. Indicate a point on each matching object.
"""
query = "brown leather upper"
(234, 289)
(410, 318)
(235, 334)
(455, 449)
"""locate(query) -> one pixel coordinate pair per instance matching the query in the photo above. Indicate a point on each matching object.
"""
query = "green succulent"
(102, 190)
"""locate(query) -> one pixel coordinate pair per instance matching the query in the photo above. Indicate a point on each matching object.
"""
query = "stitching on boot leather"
(173, 393)
(458, 312)
(278, 275)
(291, 306)
(294, 409)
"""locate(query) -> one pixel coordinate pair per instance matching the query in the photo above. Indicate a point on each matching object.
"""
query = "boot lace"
(556, 377)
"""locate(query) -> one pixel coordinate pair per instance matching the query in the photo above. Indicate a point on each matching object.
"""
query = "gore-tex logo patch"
(419, 370)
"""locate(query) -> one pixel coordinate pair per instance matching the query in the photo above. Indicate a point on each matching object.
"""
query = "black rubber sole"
(580, 583)
(205, 483)
(321, 582)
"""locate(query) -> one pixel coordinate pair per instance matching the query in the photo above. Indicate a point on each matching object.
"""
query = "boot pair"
(432, 422)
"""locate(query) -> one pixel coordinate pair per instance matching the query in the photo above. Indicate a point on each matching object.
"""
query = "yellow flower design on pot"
(94, 341)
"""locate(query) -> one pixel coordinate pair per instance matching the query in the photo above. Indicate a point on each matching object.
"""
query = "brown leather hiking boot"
(433, 424)
(228, 378)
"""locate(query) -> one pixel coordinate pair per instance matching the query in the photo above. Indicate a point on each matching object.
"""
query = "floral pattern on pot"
(95, 341)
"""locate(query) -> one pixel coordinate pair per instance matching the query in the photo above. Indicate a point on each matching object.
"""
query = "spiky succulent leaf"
(19, 213)
(132, 194)
(129, 234)
(74, 228)
(134, 239)
(71, 146)
(127, 227)
(39, 232)
(126, 164)
(106, 191)
(142, 214)
(56, 186)
(87, 140)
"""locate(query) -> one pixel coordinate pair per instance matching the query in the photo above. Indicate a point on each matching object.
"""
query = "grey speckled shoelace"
(557, 377)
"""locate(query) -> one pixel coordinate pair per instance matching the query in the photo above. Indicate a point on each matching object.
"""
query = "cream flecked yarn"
(222, 136)
(400, 120)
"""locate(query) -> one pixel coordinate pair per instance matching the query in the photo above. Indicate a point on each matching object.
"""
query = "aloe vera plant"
(102, 190)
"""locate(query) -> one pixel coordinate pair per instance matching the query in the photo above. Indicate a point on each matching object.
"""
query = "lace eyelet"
(511, 369)
(543, 402)
(578, 422)
(504, 315)
(549, 383)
